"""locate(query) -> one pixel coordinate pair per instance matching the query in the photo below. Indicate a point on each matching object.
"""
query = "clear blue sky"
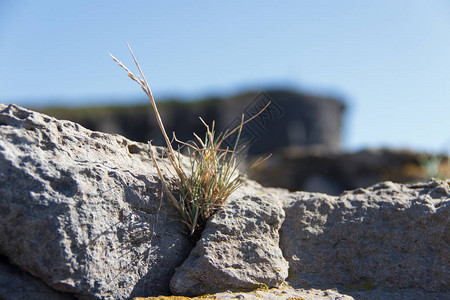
(390, 60)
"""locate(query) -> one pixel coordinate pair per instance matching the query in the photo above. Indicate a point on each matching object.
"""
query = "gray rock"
(82, 216)
(83, 211)
(289, 293)
(380, 293)
(389, 235)
(16, 284)
(239, 248)
(283, 293)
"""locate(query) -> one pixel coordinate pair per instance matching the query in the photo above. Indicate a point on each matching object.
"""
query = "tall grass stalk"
(213, 173)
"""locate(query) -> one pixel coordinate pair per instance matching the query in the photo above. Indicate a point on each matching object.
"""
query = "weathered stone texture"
(16, 284)
(390, 235)
(82, 211)
(239, 247)
(283, 293)
(82, 216)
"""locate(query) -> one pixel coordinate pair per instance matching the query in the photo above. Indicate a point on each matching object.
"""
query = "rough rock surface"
(82, 210)
(380, 293)
(289, 293)
(389, 235)
(82, 216)
(239, 248)
(19, 285)
(283, 293)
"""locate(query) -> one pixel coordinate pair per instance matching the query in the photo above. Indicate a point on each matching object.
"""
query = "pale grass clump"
(213, 173)
(436, 166)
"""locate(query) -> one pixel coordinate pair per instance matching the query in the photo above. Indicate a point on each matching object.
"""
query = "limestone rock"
(83, 211)
(389, 235)
(239, 248)
(380, 293)
(283, 293)
(289, 293)
(82, 216)
(16, 284)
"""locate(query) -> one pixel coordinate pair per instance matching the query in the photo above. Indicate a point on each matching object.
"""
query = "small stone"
(239, 248)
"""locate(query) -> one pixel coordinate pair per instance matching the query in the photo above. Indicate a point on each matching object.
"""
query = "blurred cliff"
(302, 131)
(291, 119)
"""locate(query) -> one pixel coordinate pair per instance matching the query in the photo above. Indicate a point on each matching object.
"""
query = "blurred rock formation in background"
(292, 119)
(334, 172)
(302, 131)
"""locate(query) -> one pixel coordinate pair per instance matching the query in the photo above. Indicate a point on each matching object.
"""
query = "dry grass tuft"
(213, 173)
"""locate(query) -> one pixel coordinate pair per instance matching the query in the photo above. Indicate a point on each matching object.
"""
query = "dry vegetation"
(213, 173)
